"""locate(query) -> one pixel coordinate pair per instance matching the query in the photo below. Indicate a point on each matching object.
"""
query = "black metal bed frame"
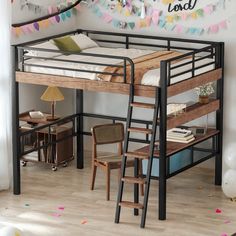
(194, 48)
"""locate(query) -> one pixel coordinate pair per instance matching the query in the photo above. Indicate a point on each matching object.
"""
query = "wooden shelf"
(173, 147)
(193, 112)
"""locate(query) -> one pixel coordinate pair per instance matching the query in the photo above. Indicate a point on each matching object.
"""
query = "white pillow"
(46, 45)
(84, 41)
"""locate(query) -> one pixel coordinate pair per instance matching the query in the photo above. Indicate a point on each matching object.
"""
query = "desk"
(53, 145)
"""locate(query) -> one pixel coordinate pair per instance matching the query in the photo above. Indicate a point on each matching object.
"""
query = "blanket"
(142, 65)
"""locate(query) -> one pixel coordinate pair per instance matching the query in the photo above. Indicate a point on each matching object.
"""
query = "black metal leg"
(136, 186)
(163, 148)
(218, 161)
(16, 139)
(80, 139)
(162, 188)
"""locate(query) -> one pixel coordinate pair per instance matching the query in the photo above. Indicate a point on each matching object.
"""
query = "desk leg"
(79, 127)
(16, 137)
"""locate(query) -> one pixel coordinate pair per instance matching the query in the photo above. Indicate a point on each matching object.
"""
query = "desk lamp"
(52, 94)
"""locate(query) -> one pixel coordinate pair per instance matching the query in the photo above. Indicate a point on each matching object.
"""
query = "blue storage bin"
(177, 161)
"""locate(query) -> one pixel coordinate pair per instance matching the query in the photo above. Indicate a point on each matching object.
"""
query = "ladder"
(136, 180)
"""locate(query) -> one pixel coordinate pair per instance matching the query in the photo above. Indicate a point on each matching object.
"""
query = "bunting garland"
(145, 16)
(133, 9)
(157, 18)
(43, 24)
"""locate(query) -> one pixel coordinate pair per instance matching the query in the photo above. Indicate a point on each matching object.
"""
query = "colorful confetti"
(56, 215)
(224, 234)
(218, 211)
(61, 208)
(83, 222)
(227, 221)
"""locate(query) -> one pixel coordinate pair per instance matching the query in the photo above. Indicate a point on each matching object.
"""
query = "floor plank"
(192, 201)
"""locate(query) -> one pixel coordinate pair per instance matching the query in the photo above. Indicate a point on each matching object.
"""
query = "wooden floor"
(192, 201)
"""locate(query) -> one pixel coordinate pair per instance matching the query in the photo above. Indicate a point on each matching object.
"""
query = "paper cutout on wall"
(159, 21)
(131, 9)
(43, 24)
(155, 17)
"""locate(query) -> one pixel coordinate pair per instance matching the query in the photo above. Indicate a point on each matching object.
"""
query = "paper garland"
(131, 9)
(162, 21)
(158, 21)
(43, 24)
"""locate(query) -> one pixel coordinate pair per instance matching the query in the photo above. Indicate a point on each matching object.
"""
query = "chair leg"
(108, 182)
(94, 171)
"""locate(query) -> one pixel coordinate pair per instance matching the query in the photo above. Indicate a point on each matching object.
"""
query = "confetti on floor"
(83, 222)
(200, 188)
(27, 205)
(56, 215)
(224, 234)
(61, 208)
(210, 195)
(227, 222)
(218, 211)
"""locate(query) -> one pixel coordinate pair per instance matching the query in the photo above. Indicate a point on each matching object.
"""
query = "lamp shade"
(52, 94)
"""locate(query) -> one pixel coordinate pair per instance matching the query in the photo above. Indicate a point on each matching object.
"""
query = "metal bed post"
(79, 127)
(15, 125)
(219, 116)
(163, 126)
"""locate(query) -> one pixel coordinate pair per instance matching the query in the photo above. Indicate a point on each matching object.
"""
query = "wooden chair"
(108, 134)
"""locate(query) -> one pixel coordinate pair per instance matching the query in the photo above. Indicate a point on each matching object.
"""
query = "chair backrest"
(108, 133)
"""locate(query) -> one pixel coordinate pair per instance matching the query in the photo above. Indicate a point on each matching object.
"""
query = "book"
(181, 138)
(179, 132)
(180, 141)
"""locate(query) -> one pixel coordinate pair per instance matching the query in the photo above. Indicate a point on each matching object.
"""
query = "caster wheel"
(65, 164)
(54, 168)
(23, 163)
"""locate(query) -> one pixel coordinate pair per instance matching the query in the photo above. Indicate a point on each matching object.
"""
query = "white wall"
(114, 104)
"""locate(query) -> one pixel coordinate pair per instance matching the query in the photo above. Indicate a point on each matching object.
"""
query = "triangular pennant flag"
(131, 25)
(155, 16)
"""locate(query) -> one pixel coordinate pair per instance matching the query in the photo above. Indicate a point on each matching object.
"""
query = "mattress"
(151, 77)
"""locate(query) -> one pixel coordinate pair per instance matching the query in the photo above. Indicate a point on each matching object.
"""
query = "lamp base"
(52, 118)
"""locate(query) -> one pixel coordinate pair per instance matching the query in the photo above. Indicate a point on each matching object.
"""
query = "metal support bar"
(163, 127)
(80, 140)
(219, 116)
(15, 126)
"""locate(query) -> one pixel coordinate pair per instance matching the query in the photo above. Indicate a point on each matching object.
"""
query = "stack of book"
(180, 135)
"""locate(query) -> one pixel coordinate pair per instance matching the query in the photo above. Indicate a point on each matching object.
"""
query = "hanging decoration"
(133, 9)
(149, 15)
(31, 6)
(55, 14)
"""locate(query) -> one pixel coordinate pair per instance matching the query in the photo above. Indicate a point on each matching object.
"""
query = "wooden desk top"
(26, 117)
(173, 147)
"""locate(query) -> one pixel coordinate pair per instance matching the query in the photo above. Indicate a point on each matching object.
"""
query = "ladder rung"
(131, 205)
(143, 105)
(133, 180)
(140, 130)
(139, 155)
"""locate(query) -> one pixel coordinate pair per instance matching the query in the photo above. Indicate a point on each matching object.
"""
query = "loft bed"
(174, 66)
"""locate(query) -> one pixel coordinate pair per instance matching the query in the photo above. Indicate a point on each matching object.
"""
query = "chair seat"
(109, 159)
(114, 159)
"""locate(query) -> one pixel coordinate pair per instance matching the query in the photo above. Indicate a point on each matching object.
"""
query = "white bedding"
(131, 53)
(152, 77)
